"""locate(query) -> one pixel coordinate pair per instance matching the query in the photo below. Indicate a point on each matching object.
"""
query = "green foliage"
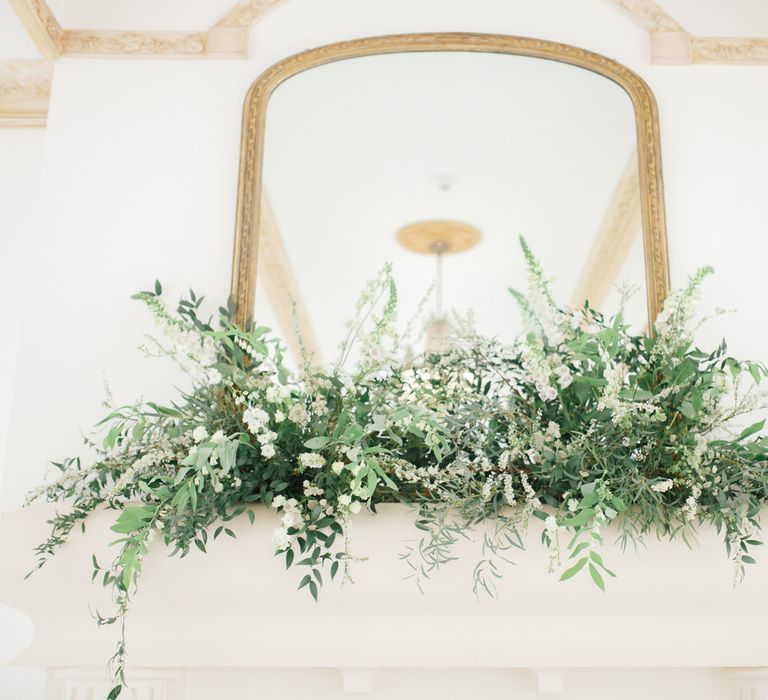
(579, 424)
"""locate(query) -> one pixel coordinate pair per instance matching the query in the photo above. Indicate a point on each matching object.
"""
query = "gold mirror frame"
(243, 292)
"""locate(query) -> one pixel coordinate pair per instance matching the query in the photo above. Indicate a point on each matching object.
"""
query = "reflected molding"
(249, 198)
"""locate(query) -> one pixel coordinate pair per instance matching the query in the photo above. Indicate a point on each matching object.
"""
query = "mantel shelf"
(237, 606)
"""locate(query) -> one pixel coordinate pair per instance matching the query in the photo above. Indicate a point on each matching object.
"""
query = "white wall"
(21, 156)
(139, 180)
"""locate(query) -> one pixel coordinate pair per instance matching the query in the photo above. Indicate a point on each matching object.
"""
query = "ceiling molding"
(40, 24)
(282, 288)
(25, 88)
(682, 49)
(246, 12)
(228, 37)
(744, 50)
(670, 48)
(219, 42)
(648, 15)
(620, 228)
(78, 42)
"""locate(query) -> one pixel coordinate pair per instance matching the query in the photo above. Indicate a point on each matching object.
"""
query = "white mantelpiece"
(93, 684)
(237, 608)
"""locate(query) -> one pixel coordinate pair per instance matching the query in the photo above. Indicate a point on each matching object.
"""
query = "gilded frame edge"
(245, 254)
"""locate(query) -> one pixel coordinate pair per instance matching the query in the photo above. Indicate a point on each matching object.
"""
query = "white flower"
(564, 377)
(199, 434)
(691, 508)
(549, 393)
(312, 490)
(337, 467)
(573, 505)
(279, 416)
(281, 539)
(268, 451)
(662, 486)
(345, 499)
(550, 524)
(278, 501)
(312, 460)
(553, 430)
(267, 437)
(298, 414)
(292, 518)
(354, 507)
(255, 418)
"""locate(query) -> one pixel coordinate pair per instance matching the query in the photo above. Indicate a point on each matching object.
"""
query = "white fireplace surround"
(232, 617)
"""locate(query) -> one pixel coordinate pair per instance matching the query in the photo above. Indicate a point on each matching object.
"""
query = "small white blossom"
(662, 486)
(281, 539)
(311, 460)
(268, 451)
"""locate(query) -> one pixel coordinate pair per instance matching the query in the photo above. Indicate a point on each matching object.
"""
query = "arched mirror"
(436, 152)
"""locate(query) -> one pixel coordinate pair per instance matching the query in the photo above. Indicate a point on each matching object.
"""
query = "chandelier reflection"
(438, 237)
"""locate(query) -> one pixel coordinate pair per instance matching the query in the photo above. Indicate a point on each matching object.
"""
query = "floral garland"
(580, 424)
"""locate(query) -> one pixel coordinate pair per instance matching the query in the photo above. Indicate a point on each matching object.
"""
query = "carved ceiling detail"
(176, 44)
(246, 12)
(649, 15)
(41, 25)
(24, 91)
(228, 37)
(728, 50)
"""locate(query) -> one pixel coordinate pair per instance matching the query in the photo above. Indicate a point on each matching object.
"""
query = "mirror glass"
(466, 151)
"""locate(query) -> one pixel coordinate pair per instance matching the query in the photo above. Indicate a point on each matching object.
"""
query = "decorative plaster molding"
(228, 37)
(705, 49)
(681, 48)
(41, 25)
(648, 15)
(227, 42)
(621, 225)
(670, 48)
(282, 288)
(154, 44)
(25, 87)
(246, 12)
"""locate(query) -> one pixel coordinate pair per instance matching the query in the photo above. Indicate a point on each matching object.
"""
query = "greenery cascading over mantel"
(579, 423)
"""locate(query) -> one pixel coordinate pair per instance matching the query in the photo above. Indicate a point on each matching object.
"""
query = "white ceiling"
(720, 17)
(140, 15)
(356, 149)
(14, 39)
(703, 17)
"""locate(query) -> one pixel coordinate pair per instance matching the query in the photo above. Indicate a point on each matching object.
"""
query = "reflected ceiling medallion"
(438, 237)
